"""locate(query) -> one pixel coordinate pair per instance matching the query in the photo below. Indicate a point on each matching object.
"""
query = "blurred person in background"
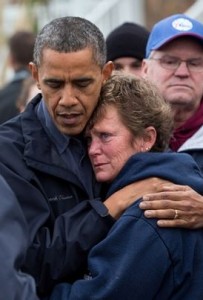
(126, 47)
(21, 45)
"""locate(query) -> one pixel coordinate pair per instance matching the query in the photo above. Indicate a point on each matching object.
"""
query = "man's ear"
(144, 68)
(107, 70)
(34, 71)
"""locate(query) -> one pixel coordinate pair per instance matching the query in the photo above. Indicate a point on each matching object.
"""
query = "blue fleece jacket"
(138, 260)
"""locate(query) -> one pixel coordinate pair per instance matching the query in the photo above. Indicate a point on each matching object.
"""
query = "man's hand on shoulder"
(174, 206)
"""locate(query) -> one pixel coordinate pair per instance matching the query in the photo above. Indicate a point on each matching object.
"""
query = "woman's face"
(110, 144)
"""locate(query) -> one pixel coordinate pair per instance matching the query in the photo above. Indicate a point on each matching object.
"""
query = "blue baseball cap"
(171, 28)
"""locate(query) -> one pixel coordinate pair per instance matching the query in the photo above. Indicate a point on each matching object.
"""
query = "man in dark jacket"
(43, 155)
(13, 240)
(20, 45)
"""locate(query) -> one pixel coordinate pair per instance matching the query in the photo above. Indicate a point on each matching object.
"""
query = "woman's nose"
(94, 147)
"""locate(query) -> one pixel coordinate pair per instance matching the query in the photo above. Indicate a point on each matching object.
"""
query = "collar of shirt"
(71, 149)
(60, 140)
(67, 146)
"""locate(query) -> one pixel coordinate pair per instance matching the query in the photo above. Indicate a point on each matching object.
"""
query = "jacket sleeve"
(58, 246)
(13, 240)
(62, 256)
(130, 263)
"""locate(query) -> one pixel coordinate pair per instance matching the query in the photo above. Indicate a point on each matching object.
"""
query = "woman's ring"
(176, 214)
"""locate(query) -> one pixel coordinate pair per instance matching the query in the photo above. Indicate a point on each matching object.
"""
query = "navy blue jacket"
(62, 225)
(13, 242)
(137, 259)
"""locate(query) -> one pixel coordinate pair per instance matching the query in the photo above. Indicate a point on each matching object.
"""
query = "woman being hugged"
(128, 139)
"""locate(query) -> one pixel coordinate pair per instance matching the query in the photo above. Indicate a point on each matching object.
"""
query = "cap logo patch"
(182, 24)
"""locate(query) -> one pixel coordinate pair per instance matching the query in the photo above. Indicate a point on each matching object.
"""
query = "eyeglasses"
(172, 63)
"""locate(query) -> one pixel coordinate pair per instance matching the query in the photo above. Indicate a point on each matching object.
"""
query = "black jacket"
(62, 225)
(13, 240)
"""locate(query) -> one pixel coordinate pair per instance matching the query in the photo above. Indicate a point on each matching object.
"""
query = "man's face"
(182, 86)
(128, 64)
(70, 84)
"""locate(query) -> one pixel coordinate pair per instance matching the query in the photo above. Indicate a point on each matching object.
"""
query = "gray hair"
(70, 34)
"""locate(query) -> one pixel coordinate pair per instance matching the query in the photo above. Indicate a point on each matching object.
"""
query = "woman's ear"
(145, 141)
(149, 138)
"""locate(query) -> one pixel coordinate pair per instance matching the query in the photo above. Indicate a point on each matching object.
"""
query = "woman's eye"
(105, 136)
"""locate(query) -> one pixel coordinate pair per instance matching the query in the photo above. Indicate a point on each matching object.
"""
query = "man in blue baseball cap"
(174, 62)
(171, 28)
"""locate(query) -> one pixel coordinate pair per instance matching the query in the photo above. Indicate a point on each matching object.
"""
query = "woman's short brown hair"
(139, 105)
